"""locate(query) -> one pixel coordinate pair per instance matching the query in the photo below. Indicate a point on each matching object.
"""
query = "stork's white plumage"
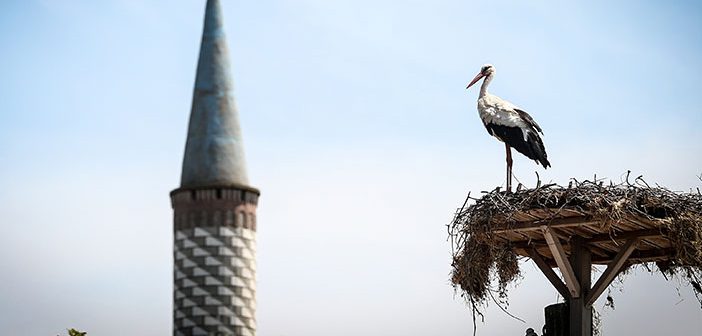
(509, 124)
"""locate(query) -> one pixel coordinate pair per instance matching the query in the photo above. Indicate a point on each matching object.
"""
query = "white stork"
(509, 124)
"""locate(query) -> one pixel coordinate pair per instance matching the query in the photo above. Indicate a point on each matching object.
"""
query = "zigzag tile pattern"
(215, 281)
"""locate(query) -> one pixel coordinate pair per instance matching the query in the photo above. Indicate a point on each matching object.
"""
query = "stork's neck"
(486, 82)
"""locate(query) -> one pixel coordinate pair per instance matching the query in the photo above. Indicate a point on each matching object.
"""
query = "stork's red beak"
(475, 80)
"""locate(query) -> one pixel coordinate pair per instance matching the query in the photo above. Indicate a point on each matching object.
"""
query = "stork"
(509, 124)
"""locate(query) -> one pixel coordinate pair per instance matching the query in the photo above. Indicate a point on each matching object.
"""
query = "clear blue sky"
(358, 130)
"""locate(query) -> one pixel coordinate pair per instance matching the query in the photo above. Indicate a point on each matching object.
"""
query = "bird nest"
(490, 234)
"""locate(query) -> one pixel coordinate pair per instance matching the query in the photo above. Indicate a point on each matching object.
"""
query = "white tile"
(178, 255)
(210, 301)
(187, 263)
(237, 281)
(238, 322)
(199, 232)
(226, 232)
(209, 241)
(223, 251)
(251, 284)
(223, 271)
(246, 253)
(225, 330)
(197, 291)
(248, 234)
(238, 302)
(210, 261)
(198, 252)
(178, 295)
(210, 281)
(246, 273)
(237, 242)
(197, 271)
(188, 283)
(197, 331)
(211, 321)
(238, 262)
(224, 291)
(225, 311)
(197, 311)
(246, 293)
(187, 243)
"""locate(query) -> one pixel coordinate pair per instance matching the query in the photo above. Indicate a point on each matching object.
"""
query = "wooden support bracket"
(562, 261)
(548, 272)
(612, 270)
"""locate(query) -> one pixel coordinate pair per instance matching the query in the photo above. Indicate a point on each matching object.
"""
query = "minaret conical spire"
(214, 154)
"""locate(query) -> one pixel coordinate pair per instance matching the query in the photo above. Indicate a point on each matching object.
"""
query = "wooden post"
(580, 311)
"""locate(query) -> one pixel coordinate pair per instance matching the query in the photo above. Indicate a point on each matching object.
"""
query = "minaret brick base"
(215, 266)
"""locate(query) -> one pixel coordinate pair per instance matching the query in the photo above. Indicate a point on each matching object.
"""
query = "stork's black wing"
(529, 120)
(527, 142)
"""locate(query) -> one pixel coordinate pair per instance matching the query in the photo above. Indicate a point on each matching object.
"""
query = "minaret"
(214, 220)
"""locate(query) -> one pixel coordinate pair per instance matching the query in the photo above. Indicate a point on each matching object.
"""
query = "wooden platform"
(525, 230)
(569, 229)
(573, 240)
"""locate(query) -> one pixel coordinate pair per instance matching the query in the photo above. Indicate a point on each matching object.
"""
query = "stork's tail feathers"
(537, 150)
(544, 162)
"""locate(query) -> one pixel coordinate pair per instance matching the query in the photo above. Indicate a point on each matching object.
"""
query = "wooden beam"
(626, 235)
(548, 272)
(612, 270)
(562, 261)
(602, 237)
(537, 224)
(642, 256)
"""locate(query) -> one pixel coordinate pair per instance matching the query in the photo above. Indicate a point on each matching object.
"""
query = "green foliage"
(73, 332)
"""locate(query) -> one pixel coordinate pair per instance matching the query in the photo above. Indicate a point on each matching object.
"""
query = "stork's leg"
(508, 149)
